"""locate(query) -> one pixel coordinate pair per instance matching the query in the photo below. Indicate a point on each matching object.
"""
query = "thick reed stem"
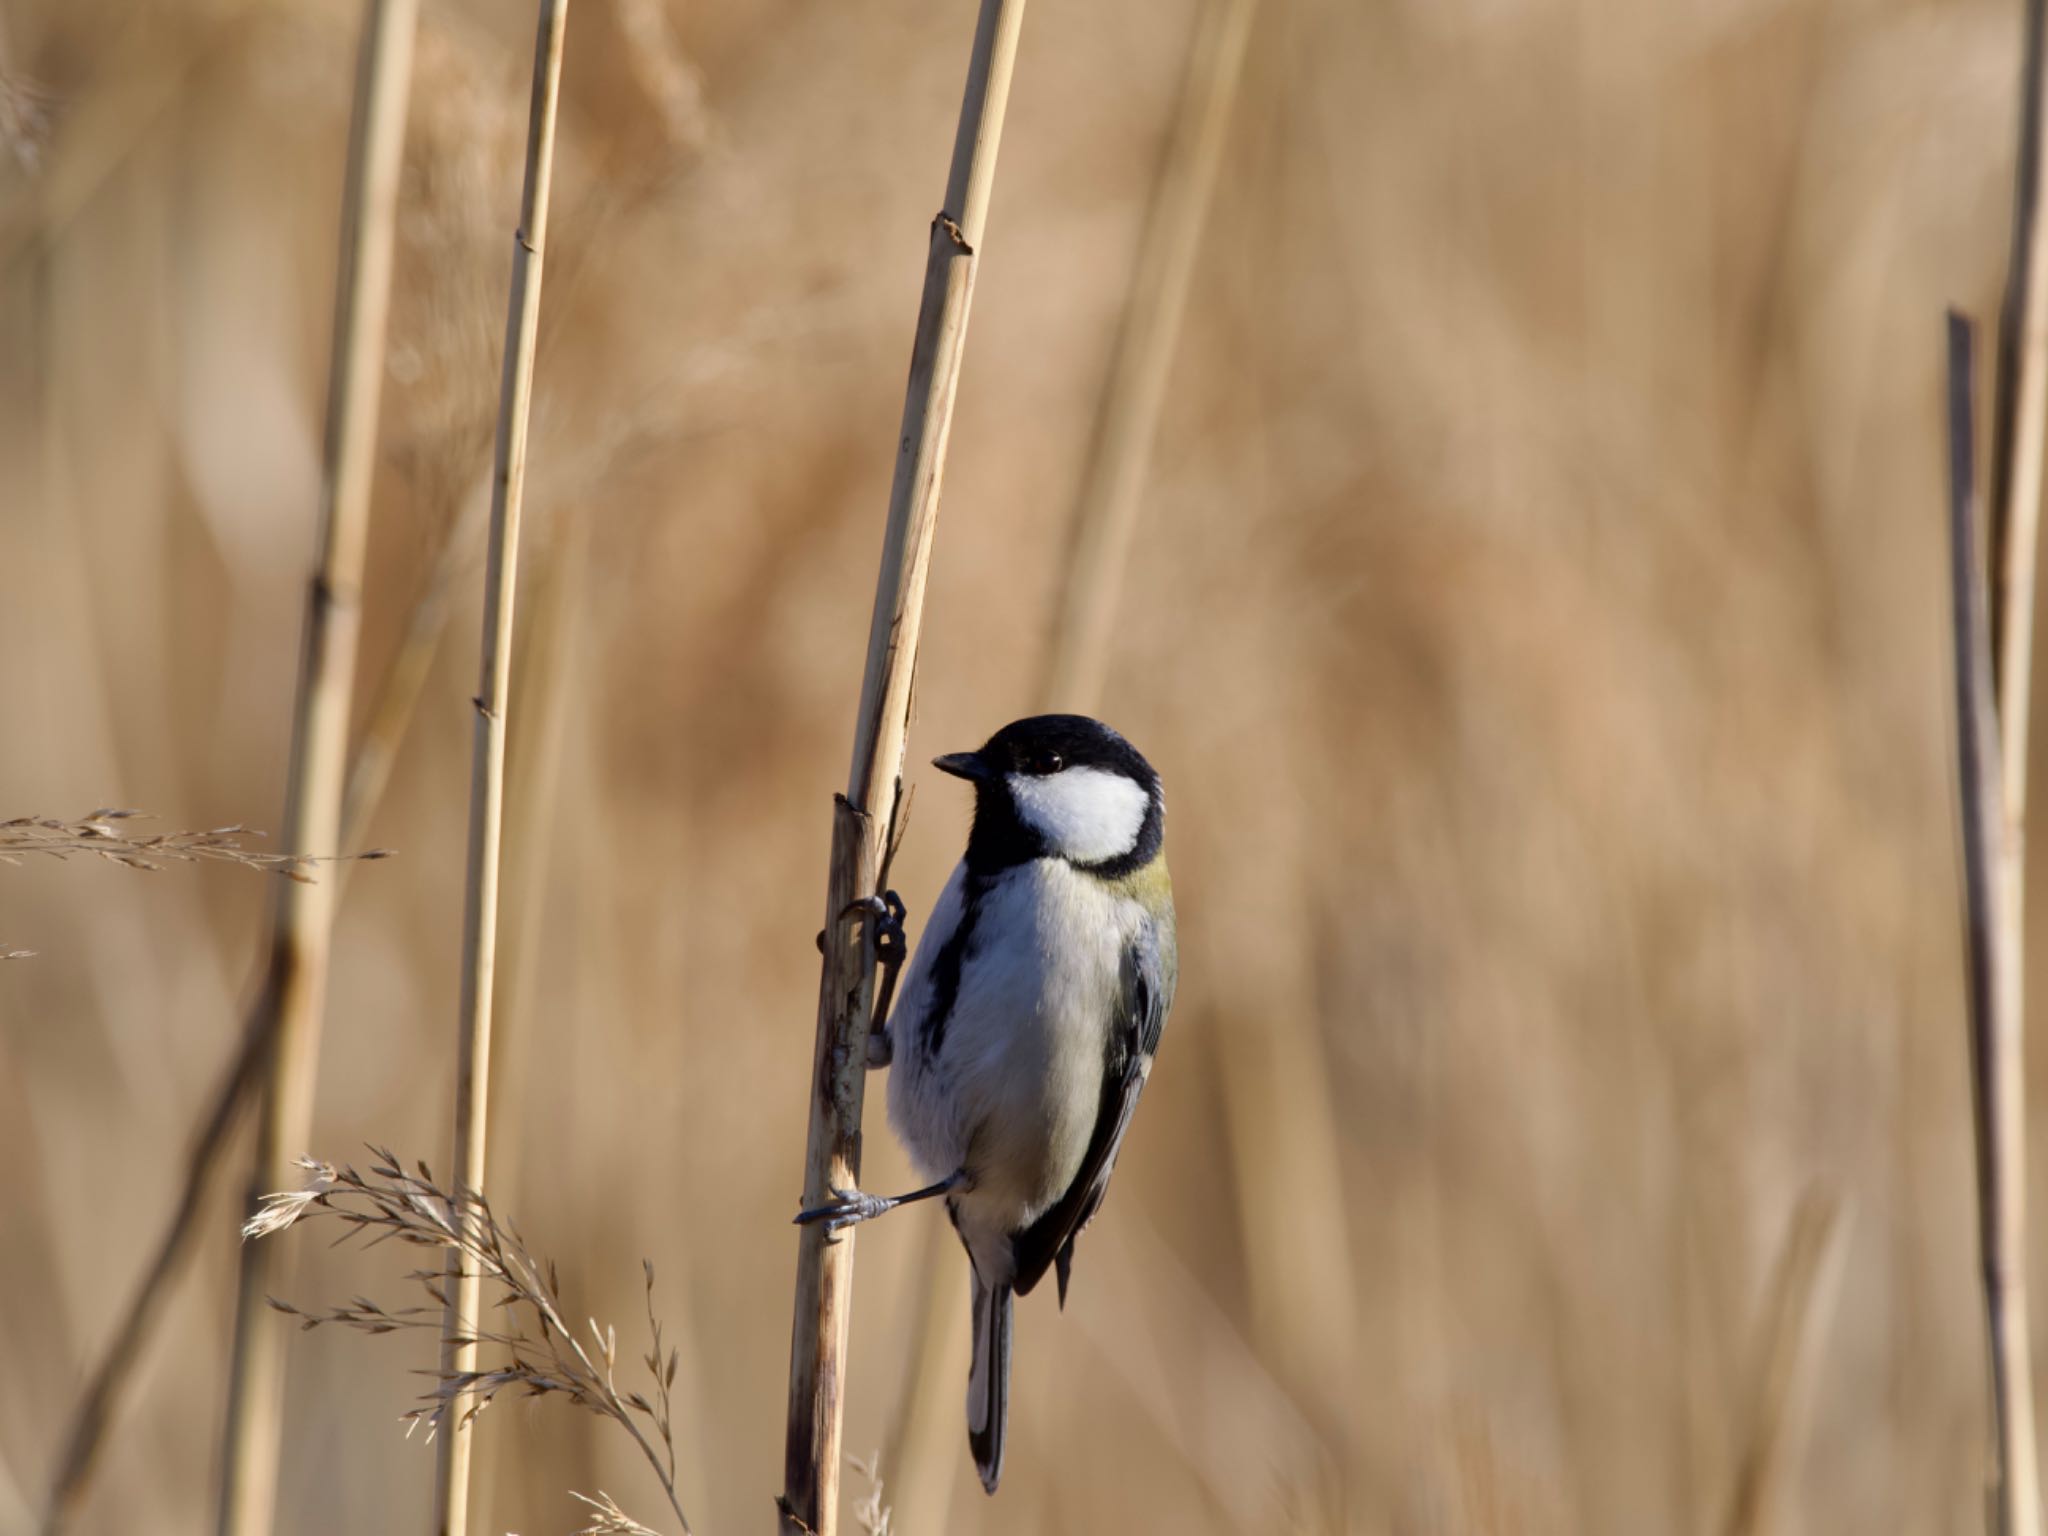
(863, 817)
(920, 1474)
(487, 761)
(302, 922)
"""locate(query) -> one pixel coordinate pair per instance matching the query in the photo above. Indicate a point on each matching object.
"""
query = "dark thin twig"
(2016, 482)
(1991, 877)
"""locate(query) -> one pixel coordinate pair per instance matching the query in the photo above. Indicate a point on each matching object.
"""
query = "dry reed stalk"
(390, 714)
(1206, 1388)
(1113, 484)
(2020, 405)
(923, 1462)
(487, 766)
(544, 660)
(386, 723)
(92, 1417)
(1801, 1297)
(376, 749)
(920, 1472)
(2020, 418)
(1991, 882)
(303, 921)
(864, 818)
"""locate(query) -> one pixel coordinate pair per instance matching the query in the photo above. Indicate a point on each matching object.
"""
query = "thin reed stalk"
(376, 749)
(920, 1473)
(2019, 406)
(487, 763)
(543, 664)
(1991, 881)
(1113, 484)
(302, 922)
(387, 720)
(1801, 1301)
(390, 714)
(2019, 424)
(865, 817)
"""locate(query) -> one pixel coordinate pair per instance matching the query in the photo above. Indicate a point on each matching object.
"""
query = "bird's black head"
(1061, 786)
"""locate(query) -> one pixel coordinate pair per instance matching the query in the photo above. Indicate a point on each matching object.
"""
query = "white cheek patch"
(1085, 814)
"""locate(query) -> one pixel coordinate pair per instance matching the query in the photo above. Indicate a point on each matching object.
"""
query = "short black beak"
(963, 765)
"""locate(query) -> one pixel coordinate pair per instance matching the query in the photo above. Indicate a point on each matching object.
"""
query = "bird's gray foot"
(846, 1208)
(849, 1207)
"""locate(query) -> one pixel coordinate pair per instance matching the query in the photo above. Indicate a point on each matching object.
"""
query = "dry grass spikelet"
(538, 1352)
(99, 834)
(870, 1513)
(607, 1519)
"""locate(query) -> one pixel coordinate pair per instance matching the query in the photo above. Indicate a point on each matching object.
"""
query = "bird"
(1025, 1025)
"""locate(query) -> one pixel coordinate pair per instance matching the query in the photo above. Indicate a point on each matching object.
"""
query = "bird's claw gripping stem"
(846, 1208)
(887, 913)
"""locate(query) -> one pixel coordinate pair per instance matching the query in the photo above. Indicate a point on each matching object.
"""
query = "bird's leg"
(886, 912)
(891, 947)
(848, 1207)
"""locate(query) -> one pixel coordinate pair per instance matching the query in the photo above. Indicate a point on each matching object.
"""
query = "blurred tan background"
(1538, 616)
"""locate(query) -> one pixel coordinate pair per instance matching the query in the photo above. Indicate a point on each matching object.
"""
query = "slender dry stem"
(1800, 1301)
(303, 920)
(386, 722)
(1076, 663)
(94, 1413)
(1113, 484)
(2019, 423)
(863, 817)
(487, 766)
(398, 692)
(369, 771)
(1993, 953)
(2019, 406)
(2022, 407)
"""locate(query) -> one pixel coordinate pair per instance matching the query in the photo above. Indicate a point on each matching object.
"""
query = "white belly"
(1012, 1092)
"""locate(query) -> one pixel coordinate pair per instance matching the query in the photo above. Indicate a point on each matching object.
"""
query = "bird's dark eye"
(1047, 762)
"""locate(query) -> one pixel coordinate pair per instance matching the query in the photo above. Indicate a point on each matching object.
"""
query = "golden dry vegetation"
(1538, 615)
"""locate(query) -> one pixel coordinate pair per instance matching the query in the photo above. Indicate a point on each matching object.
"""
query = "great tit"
(1027, 1020)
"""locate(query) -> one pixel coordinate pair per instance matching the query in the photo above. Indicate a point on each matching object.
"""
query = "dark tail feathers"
(988, 1384)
